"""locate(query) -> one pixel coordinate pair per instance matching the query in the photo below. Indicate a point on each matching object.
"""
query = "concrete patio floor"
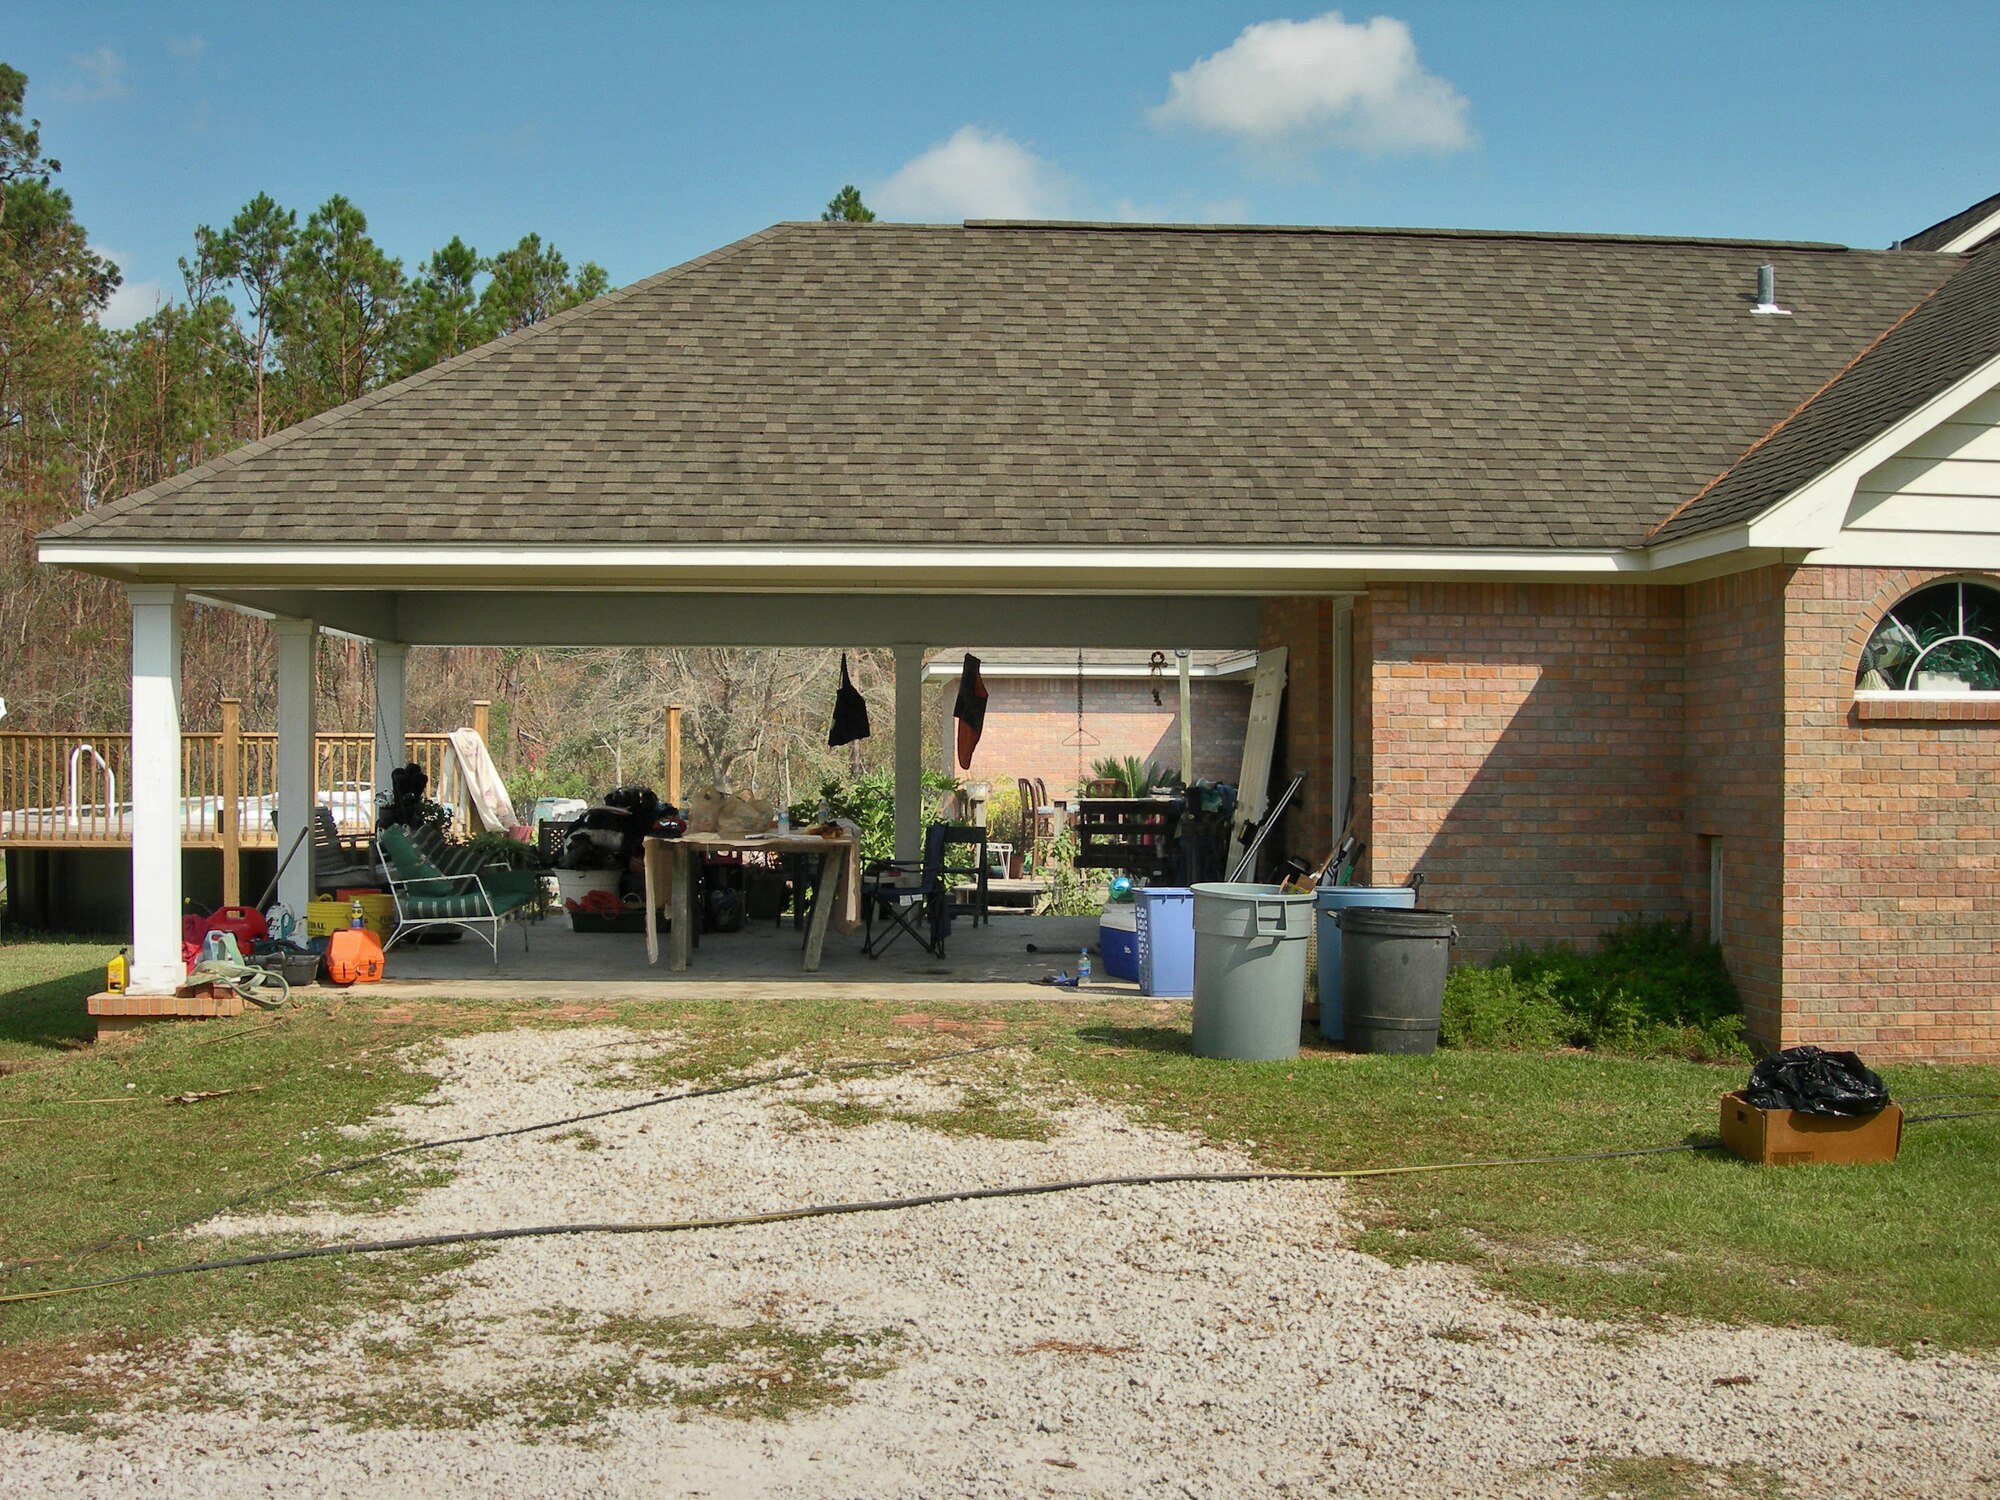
(990, 962)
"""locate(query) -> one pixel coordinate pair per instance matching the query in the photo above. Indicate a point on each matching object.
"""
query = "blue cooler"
(1118, 942)
(1333, 898)
(1166, 940)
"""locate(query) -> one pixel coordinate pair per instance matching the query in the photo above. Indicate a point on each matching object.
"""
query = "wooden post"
(228, 821)
(673, 767)
(482, 718)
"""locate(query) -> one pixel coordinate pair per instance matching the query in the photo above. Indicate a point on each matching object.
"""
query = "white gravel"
(1237, 1346)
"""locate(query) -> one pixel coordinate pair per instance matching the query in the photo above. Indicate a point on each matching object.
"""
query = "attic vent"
(1767, 293)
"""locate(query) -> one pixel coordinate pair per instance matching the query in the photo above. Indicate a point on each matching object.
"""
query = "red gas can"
(245, 922)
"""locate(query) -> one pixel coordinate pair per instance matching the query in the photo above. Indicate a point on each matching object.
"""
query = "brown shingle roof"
(1940, 341)
(1945, 231)
(1013, 385)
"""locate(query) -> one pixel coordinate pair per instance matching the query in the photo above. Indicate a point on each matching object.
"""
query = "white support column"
(156, 790)
(390, 740)
(297, 772)
(909, 752)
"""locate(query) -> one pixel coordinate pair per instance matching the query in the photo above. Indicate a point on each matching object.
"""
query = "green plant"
(1072, 892)
(1648, 989)
(1135, 777)
(869, 802)
(1004, 820)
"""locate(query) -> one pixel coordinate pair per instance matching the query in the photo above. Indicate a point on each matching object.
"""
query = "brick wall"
(1735, 735)
(1527, 755)
(1892, 864)
(1028, 718)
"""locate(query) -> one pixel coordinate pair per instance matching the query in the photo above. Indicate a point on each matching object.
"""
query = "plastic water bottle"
(357, 918)
(1083, 966)
(784, 824)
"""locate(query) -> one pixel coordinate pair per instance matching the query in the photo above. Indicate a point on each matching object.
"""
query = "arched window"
(1942, 639)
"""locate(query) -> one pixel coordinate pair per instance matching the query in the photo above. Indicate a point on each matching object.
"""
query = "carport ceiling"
(631, 618)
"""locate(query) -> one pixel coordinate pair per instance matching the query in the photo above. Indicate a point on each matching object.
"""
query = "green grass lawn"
(1893, 1255)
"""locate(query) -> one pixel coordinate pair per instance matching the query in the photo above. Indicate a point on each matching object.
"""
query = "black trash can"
(1392, 972)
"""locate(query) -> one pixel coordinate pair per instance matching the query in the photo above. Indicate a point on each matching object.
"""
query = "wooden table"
(670, 881)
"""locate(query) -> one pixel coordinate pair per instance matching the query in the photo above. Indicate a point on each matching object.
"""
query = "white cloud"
(1298, 85)
(188, 49)
(133, 300)
(977, 174)
(93, 78)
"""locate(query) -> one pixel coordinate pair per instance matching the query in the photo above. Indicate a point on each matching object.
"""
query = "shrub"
(1648, 989)
(869, 802)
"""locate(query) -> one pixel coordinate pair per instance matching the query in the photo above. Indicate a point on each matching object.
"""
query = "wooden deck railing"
(74, 790)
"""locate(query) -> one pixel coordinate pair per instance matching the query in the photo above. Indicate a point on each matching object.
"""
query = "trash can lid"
(1391, 921)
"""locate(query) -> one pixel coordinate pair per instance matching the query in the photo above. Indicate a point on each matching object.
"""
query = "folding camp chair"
(910, 896)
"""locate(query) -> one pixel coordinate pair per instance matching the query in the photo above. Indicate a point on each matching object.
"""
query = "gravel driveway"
(1194, 1340)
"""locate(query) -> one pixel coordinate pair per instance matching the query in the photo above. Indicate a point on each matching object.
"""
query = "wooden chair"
(965, 863)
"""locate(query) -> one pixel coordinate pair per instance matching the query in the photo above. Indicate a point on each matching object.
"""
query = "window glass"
(1941, 639)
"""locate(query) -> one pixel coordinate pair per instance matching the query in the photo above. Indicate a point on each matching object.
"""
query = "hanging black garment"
(850, 712)
(970, 710)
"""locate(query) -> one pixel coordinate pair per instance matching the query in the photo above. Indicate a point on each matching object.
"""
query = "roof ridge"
(82, 523)
(1390, 231)
(1796, 412)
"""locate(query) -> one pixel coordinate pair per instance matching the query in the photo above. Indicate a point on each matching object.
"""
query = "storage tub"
(1165, 931)
(378, 915)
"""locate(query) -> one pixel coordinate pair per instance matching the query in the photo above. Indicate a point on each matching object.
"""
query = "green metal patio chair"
(427, 897)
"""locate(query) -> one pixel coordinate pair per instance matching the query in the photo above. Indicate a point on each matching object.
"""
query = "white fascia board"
(850, 569)
(1812, 515)
(1967, 239)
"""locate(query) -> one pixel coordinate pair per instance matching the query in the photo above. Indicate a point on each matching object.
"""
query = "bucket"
(1328, 900)
(1392, 972)
(1163, 923)
(1249, 970)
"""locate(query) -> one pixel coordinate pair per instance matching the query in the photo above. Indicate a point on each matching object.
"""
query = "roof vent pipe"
(1767, 292)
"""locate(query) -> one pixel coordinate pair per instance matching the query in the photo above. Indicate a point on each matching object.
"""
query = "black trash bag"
(405, 807)
(642, 802)
(1816, 1083)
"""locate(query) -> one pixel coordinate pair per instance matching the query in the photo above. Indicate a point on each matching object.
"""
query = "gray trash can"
(1337, 898)
(1392, 972)
(1249, 971)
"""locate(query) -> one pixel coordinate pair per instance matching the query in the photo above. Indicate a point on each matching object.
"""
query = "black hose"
(817, 1211)
(356, 1163)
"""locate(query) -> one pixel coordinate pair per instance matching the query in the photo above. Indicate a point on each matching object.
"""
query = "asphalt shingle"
(1000, 384)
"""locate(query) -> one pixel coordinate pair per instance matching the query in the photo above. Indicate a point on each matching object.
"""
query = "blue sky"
(640, 135)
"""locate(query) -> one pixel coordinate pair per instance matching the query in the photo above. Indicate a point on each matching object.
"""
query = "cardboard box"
(1786, 1138)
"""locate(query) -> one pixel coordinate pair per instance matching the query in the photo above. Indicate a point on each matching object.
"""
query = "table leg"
(656, 858)
(680, 937)
(826, 895)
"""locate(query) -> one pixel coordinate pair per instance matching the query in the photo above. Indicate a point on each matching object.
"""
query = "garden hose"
(820, 1211)
(254, 985)
(875, 1205)
(356, 1163)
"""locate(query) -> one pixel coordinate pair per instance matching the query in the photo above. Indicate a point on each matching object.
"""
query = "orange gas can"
(354, 956)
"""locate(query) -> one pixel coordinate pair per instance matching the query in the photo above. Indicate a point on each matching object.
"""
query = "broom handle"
(272, 889)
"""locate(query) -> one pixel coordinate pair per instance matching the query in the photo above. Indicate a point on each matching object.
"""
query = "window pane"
(1886, 659)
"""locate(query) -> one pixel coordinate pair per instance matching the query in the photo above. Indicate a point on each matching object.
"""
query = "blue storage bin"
(1165, 918)
(1334, 898)
(1118, 943)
